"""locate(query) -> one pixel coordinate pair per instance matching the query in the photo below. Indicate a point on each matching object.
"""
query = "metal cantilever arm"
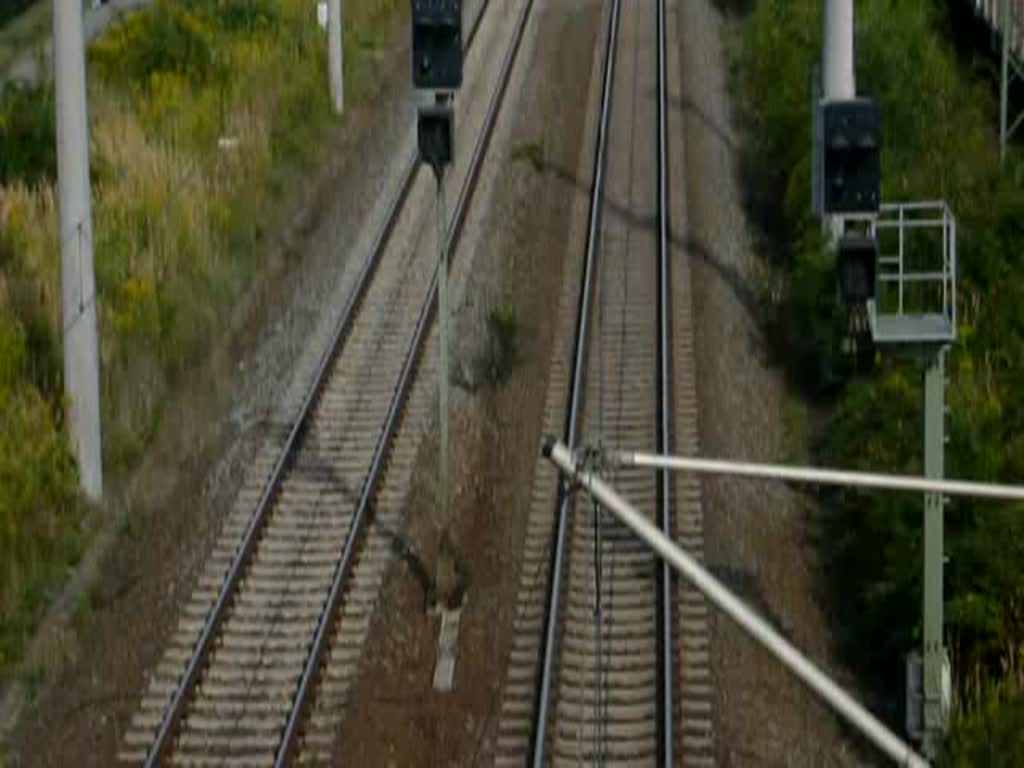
(844, 704)
(817, 476)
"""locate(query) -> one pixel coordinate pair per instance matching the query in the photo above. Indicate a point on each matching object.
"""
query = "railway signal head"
(856, 260)
(435, 129)
(852, 161)
(437, 44)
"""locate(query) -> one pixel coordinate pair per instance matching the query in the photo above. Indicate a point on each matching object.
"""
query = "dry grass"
(177, 221)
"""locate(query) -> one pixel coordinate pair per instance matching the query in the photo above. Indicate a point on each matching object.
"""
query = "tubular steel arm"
(760, 630)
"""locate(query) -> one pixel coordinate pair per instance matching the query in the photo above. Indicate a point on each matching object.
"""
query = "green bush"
(991, 736)
(180, 38)
(166, 38)
(939, 142)
(27, 134)
(39, 512)
(11, 8)
(503, 348)
(239, 15)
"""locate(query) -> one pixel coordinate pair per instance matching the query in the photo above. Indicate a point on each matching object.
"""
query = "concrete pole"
(1004, 89)
(837, 50)
(934, 656)
(837, 77)
(335, 54)
(81, 360)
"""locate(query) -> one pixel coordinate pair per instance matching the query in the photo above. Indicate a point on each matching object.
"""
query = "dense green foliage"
(11, 8)
(989, 733)
(167, 39)
(39, 512)
(181, 38)
(200, 110)
(939, 143)
(27, 134)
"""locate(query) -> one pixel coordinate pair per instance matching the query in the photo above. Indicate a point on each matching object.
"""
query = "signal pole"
(437, 60)
(838, 78)
(442, 321)
(335, 54)
(78, 285)
(839, 85)
(934, 654)
(1004, 80)
(837, 73)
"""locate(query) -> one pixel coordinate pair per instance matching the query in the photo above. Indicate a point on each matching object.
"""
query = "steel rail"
(310, 675)
(538, 735)
(215, 619)
(663, 581)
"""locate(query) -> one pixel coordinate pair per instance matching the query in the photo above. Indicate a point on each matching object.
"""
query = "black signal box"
(852, 167)
(437, 44)
(435, 135)
(856, 267)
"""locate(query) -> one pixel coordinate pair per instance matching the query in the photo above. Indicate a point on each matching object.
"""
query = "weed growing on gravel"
(532, 152)
(499, 354)
(33, 681)
(504, 345)
(178, 219)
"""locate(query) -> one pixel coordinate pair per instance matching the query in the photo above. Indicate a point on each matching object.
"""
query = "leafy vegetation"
(27, 134)
(939, 143)
(502, 350)
(199, 109)
(39, 510)
(11, 8)
(989, 732)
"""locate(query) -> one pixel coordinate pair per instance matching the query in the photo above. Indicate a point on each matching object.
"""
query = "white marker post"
(335, 54)
(838, 80)
(78, 286)
(837, 73)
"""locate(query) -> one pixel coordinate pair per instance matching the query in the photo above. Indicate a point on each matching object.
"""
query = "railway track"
(259, 667)
(610, 658)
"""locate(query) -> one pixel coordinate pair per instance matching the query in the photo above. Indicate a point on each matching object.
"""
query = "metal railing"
(993, 11)
(927, 273)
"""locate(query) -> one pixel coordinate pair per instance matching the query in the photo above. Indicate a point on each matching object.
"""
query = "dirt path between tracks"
(396, 718)
(760, 538)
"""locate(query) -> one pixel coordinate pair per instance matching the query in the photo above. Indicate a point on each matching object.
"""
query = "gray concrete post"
(1004, 85)
(837, 73)
(335, 54)
(78, 288)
